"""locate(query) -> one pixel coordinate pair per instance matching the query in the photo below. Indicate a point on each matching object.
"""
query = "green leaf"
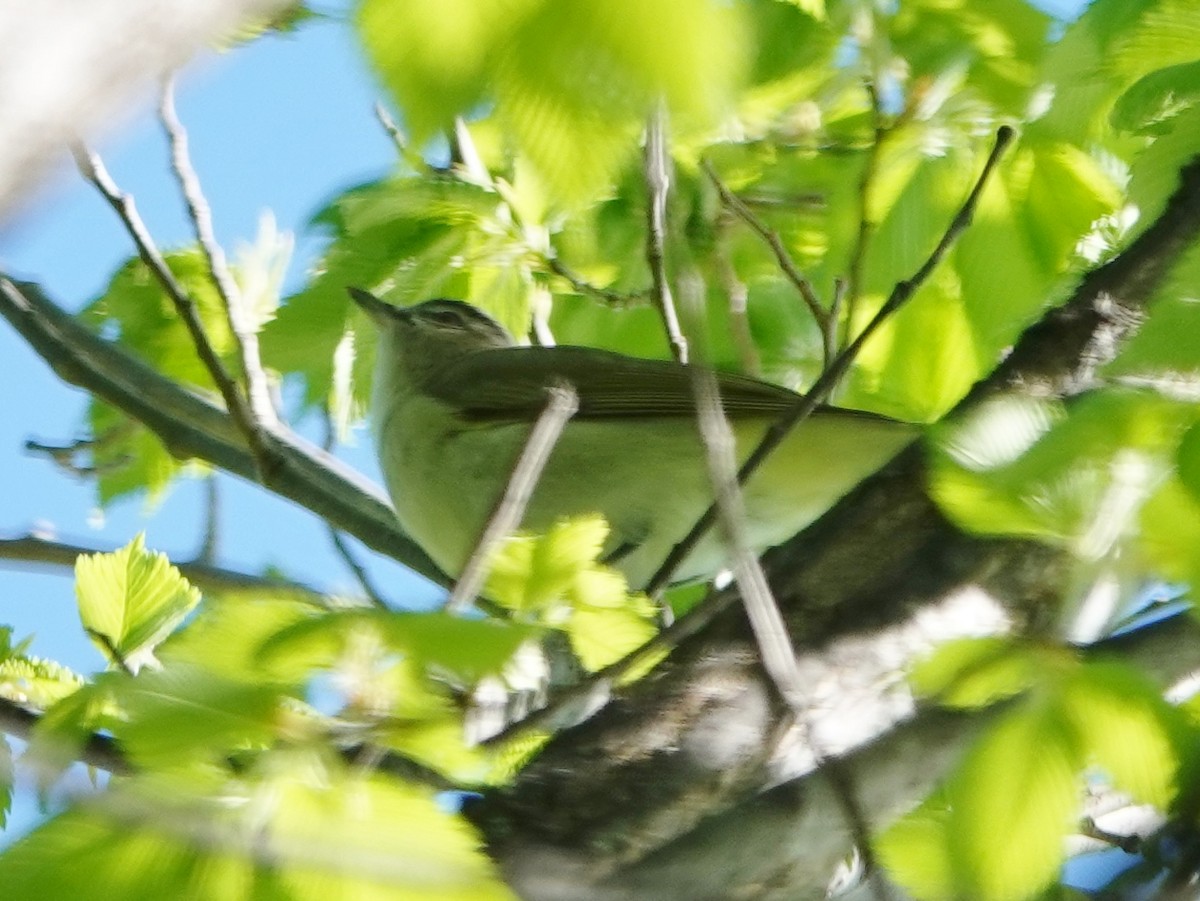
(975, 672)
(183, 714)
(128, 458)
(303, 834)
(1170, 531)
(1149, 105)
(1017, 787)
(227, 636)
(915, 851)
(553, 578)
(463, 649)
(571, 84)
(1166, 349)
(130, 600)
(1128, 730)
(35, 680)
(531, 573)
(1082, 483)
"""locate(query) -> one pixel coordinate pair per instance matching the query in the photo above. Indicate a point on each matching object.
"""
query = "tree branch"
(191, 426)
(30, 549)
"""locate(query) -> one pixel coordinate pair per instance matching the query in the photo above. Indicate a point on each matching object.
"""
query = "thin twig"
(212, 520)
(866, 227)
(766, 621)
(807, 403)
(32, 549)
(392, 129)
(788, 266)
(94, 171)
(99, 750)
(586, 288)
(561, 406)
(360, 573)
(241, 325)
(658, 185)
(64, 455)
(735, 289)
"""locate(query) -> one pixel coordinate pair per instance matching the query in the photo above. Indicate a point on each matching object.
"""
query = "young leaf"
(130, 600)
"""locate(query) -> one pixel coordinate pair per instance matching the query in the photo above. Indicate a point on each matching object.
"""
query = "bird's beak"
(381, 313)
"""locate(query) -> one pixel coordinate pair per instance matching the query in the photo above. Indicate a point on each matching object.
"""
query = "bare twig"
(806, 404)
(392, 129)
(212, 520)
(786, 264)
(866, 227)
(34, 550)
(584, 287)
(735, 289)
(658, 185)
(767, 623)
(360, 573)
(64, 455)
(241, 324)
(93, 170)
(561, 406)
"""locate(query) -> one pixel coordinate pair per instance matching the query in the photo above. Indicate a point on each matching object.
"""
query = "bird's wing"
(510, 384)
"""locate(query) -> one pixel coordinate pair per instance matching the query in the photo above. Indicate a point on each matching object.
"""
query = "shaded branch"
(191, 426)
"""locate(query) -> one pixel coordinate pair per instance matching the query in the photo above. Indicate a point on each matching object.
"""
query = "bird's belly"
(649, 479)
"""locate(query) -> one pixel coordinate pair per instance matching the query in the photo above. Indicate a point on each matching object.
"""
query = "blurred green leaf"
(130, 600)
(572, 83)
(915, 850)
(184, 714)
(304, 833)
(6, 781)
(463, 649)
(1157, 98)
(1081, 483)
(976, 672)
(1011, 803)
(1132, 734)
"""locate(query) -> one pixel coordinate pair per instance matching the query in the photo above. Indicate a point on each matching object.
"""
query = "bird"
(454, 398)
